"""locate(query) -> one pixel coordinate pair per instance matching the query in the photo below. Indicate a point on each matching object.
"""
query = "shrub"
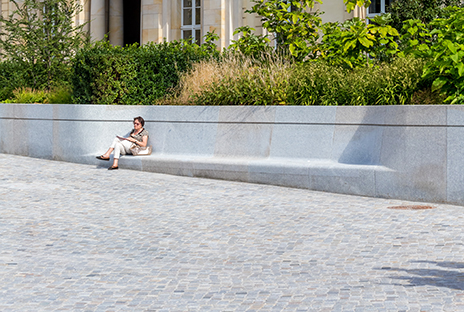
(423, 10)
(41, 38)
(28, 95)
(443, 48)
(59, 95)
(239, 81)
(11, 78)
(236, 80)
(355, 43)
(250, 44)
(386, 84)
(106, 74)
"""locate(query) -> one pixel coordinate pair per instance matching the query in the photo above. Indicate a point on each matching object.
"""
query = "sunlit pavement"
(81, 238)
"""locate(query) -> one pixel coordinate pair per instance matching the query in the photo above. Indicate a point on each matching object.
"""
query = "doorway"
(131, 20)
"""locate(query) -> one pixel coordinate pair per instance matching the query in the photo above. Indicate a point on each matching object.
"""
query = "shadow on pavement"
(453, 279)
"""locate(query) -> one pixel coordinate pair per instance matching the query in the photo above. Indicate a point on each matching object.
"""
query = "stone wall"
(406, 152)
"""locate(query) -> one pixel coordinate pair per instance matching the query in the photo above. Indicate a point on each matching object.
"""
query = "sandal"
(103, 158)
(113, 168)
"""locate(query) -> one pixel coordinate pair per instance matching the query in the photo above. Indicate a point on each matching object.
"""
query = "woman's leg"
(122, 147)
(111, 149)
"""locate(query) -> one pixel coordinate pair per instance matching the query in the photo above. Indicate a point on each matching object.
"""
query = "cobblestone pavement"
(81, 238)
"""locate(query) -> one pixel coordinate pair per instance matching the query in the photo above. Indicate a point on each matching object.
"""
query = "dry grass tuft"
(232, 72)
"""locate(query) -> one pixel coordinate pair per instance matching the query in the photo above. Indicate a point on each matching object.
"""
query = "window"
(191, 20)
(377, 7)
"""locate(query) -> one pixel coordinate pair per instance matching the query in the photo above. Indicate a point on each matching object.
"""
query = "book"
(121, 138)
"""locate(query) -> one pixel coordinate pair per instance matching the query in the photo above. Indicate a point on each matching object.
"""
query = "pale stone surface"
(455, 154)
(374, 151)
(418, 157)
(77, 237)
(97, 19)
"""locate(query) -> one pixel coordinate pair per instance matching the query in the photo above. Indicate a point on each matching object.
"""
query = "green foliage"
(387, 84)
(39, 36)
(415, 38)
(250, 44)
(11, 78)
(106, 74)
(295, 26)
(242, 81)
(210, 46)
(27, 95)
(355, 43)
(423, 10)
(351, 4)
(279, 82)
(443, 48)
(61, 95)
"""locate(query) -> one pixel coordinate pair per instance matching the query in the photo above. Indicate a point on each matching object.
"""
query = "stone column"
(167, 6)
(234, 13)
(97, 19)
(116, 23)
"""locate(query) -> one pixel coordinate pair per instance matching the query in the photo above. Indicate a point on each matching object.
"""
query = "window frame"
(383, 7)
(193, 27)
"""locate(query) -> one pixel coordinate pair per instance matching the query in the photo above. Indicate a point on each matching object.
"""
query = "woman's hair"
(140, 119)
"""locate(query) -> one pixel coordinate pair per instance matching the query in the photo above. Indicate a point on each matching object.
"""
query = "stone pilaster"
(97, 19)
(116, 22)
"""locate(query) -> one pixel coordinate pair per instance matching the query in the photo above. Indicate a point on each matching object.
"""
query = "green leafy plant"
(209, 44)
(443, 48)
(59, 95)
(351, 4)
(11, 78)
(294, 23)
(250, 44)
(423, 10)
(355, 43)
(41, 37)
(317, 83)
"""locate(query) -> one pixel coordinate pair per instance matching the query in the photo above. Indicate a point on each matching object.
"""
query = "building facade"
(143, 21)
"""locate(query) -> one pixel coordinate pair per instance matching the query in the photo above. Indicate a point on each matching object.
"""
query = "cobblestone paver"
(81, 238)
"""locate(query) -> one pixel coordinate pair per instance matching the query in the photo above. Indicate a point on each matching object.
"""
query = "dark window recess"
(375, 7)
(131, 16)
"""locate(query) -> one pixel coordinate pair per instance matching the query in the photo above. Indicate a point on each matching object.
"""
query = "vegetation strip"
(393, 59)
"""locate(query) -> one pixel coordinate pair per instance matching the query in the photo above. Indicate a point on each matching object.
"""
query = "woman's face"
(137, 125)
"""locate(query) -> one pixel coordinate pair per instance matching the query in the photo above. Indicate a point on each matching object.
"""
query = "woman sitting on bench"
(121, 146)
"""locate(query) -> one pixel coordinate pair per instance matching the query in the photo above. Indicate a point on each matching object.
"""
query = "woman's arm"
(144, 141)
(142, 144)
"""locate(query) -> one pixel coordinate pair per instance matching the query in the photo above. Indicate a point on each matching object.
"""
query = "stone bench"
(406, 152)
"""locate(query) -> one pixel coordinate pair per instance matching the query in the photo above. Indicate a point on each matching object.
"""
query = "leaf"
(450, 46)
(412, 30)
(438, 84)
(295, 18)
(291, 47)
(460, 67)
(350, 6)
(365, 42)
